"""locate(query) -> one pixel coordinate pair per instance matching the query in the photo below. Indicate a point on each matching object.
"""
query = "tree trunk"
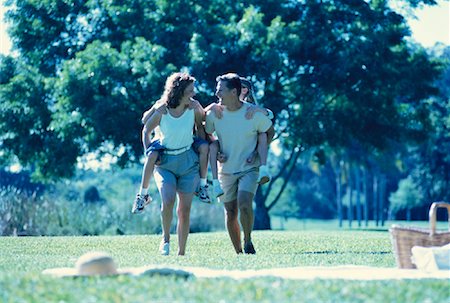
(262, 218)
(375, 199)
(338, 193)
(381, 195)
(350, 196)
(358, 195)
(366, 197)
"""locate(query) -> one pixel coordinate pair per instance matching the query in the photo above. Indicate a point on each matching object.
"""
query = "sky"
(431, 25)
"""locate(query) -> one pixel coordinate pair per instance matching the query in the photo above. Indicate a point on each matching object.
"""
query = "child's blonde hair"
(249, 97)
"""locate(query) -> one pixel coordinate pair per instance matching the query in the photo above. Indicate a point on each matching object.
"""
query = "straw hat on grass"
(102, 264)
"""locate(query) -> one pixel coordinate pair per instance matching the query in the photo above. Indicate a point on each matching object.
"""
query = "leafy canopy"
(333, 72)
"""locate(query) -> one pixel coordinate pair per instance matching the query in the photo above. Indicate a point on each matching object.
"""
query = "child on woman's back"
(153, 151)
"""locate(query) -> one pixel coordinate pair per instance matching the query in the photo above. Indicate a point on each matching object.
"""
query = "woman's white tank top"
(176, 133)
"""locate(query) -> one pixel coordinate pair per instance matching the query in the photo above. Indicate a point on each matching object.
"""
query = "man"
(237, 136)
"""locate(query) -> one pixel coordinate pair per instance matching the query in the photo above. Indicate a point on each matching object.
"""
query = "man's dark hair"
(232, 80)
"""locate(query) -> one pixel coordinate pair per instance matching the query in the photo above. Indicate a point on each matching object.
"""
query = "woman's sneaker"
(140, 203)
(164, 248)
(203, 194)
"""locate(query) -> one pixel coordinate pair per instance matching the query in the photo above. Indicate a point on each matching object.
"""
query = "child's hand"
(217, 109)
(252, 109)
(252, 157)
(221, 157)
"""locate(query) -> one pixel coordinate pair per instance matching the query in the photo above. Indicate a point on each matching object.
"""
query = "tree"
(332, 72)
(430, 161)
(406, 197)
(25, 120)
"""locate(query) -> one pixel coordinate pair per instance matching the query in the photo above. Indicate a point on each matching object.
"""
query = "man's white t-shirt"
(238, 137)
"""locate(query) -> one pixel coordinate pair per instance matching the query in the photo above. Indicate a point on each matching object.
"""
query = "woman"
(178, 170)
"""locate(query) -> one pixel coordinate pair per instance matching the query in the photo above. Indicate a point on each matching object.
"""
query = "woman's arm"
(151, 123)
(199, 119)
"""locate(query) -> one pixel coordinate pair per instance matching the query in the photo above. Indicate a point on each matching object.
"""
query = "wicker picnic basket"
(404, 238)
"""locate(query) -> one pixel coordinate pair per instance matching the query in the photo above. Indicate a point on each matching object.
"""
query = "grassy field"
(280, 223)
(23, 259)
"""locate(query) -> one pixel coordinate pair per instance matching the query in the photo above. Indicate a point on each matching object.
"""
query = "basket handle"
(432, 215)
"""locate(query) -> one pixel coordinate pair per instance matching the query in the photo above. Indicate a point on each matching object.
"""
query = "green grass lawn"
(23, 259)
(281, 223)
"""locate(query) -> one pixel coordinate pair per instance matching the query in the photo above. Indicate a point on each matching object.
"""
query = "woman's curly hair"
(174, 88)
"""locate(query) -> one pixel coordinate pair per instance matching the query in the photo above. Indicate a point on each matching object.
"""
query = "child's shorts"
(155, 145)
(197, 143)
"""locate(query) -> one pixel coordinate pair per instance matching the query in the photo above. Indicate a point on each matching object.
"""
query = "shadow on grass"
(371, 229)
(331, 252)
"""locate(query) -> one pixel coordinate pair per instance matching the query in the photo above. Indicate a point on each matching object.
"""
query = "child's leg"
(213, 150)
(147, 171)
(252, 157)
(262, 148)
(264, 139)
(143, 198)
(203, 150)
